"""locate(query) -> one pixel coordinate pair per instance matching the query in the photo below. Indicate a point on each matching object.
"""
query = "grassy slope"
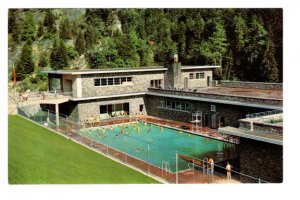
(37, 155)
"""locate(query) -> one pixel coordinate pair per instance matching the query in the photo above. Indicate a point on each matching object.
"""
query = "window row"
(199, 75)
(177, 105)
(112, 108)
(112, 81)
(156, 83)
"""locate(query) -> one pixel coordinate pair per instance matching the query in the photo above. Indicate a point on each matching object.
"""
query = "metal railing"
(261, 114)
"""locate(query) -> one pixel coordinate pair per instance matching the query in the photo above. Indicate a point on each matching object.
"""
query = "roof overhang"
(107, 96)
(200, 67)
(104, 71)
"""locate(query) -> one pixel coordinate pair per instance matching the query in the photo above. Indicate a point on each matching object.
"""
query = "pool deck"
(190, 176)
(188, 127)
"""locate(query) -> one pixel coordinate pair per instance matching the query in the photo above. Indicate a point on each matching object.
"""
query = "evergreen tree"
(65, 29)
(269, 65)
(59, 55)
(80, 43)
(40, 30)
(91, 34)
(49, 22)
(12, 21)
(25, 63)
(96, 58)
(43, 60)
(16, 34)
(28, 28)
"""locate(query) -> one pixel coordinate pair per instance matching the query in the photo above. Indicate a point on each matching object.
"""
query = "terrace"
(260, 98)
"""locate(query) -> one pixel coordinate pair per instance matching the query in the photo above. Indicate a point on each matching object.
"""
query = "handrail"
(266, 113)
(204, 160)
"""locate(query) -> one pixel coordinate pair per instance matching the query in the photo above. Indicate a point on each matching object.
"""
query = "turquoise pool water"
(133, 139)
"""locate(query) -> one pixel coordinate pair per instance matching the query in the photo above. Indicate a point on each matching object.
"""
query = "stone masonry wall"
(261, 160)
(195, 83)
(231, 113)
(255, 85)
(141, 82)
(92, 108)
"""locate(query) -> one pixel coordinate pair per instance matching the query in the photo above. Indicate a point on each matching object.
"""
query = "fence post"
(125, 149)
(193, 164)
(148, 157)
(176, 167)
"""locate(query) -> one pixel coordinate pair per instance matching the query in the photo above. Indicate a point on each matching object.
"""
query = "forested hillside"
(247, 43)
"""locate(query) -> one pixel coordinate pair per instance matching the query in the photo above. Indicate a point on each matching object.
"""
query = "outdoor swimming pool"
(155, 144)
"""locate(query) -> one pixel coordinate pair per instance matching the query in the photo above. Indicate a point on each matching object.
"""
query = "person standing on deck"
(228, 169)
(211, 163)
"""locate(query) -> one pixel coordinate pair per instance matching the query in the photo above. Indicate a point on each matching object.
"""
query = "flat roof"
(243, 92)
(212, 100)
(263, 137)
(106, 70)
(199, 67)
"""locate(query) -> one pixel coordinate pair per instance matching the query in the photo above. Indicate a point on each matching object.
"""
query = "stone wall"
(141, 82)
(195, 83)
(92, 107)
(261, 160)
(254, 85)
(231, 113)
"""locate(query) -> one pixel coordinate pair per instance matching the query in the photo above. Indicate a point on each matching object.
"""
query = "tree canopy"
(247, 43)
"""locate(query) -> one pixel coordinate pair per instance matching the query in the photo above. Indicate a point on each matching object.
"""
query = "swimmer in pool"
(111, 128)
(139, 149)
(145, 123)
(122, 131)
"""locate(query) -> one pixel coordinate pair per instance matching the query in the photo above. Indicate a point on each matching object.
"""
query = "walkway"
(205, 131)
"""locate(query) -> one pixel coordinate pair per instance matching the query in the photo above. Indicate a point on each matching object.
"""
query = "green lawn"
(37, 155)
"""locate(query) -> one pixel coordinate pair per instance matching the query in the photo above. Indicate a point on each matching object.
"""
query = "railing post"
(176, 167)
(148, 157)
(125, 149)
(193, 164)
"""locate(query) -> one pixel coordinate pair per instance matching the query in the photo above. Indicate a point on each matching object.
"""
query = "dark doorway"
(221, 121)
(205, 119)
(141, 108)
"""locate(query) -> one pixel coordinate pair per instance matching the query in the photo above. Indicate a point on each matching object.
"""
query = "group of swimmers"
(102, 131)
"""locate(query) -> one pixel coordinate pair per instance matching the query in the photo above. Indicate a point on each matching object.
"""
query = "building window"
(116, 81)
(115, 110)
(97, 82)
(103, 109)
(191, 75)
(112, 81)
(213, 108)
(200, 75)
(156, 83)
(103, 82)
(177, 105)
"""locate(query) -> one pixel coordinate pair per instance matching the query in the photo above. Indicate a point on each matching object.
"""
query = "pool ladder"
(165, 166)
